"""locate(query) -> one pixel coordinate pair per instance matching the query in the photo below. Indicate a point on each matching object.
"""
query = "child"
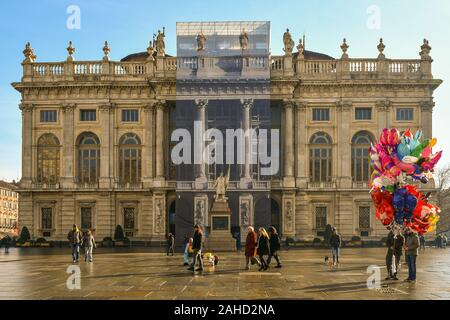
(188, 252)
(89, 244)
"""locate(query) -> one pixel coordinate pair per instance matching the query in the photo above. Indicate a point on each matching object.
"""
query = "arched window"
(320, 157)
(360, 156)
(130, 159)
(88, 158)
(48, 159)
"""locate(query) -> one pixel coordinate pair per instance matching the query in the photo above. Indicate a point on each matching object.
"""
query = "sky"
(129, 25)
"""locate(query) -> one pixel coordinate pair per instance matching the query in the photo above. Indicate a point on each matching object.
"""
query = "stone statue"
(201, 41)
(221, 186)
(288, 43)
(159, 43)
(244, 214)
(199, 212)
(243, 40)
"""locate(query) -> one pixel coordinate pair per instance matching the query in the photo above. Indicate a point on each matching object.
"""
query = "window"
(321, 114)
(363, 114)
(361, 169)
(405, 114)
(321, 220)
(128, 219)
(130, 115)
(364, 220)
(320, 157)
(48, 159)
(46, 215)
(130, 159)
(48, 115)
(88, 158)
(86, 218)
(88, 115)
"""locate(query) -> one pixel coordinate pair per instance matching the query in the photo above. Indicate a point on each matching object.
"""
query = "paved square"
(138, 273)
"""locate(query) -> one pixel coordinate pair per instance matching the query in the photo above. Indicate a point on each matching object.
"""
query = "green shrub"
(118, 233)
(356, 238)
(41, 240)
(24, 235)
(317, 240)
(107, 239)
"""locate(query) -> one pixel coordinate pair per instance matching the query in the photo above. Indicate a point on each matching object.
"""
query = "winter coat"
(197, 241)
(274, 243)
(412, 244)
(89, 241)
(396, 242)
(250, 244)
(263, 246)
(74, 236)
(335, 241)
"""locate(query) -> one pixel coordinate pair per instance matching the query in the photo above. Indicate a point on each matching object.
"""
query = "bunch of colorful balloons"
(400, 162)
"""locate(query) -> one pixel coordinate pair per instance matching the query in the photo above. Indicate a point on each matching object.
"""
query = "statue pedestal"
(219, 238)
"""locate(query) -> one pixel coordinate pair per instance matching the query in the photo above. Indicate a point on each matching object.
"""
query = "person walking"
(250, 248)
(88, 244)
(75, 237)
(444, 241)
(275, 246)
(335, 243)
(422, 242)
(197, 249)
(188, 252)
(411, 252)
(263, 248)
(395, 247)
(170, 244)
(7, 243)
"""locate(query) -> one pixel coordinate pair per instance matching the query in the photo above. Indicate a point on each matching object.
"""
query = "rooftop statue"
(288, 43)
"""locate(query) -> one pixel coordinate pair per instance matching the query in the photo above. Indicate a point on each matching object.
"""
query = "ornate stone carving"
(247, 103)
(201, 103)
(288, 43)
(68, 108)
(343, 106)
(381, 48)
(243, 40)
(70, 50)
(160, 44)
(300, 49)
(221, 186)
(159, 215)
(150, 52)
(289, 103)
(382, 105)
(201, 41)
(245, 214)
(107, 107)
(200, 207)
(427, 106)
(425, 50)
(288, 215)
(344, 48)
(106, 51)
(26, 107)
(149, 107)
(28, 52)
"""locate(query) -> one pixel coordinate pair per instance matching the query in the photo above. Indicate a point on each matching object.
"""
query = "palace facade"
(96, 144)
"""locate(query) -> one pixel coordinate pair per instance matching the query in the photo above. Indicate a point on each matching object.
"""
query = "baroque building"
(9, 206)
(97, 134)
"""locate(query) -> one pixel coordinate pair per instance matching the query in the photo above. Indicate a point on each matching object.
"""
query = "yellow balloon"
(432, 142)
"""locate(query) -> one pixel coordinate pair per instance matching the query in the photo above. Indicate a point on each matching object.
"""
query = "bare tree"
(442, 183)
(442, 178)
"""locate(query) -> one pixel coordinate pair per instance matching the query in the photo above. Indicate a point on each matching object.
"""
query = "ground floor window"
(46, 221)
(321, 220)
(86, 218)
(364, 220)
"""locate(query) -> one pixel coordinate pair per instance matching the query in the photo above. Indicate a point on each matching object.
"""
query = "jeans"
(88, 253)
(186, 257)
(411, 261)
(275, 255)
(75, 251)
(197, 255)
(335, 254)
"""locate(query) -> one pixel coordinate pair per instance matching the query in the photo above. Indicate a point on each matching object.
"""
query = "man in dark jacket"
(394, 244)
(411, 252)
(197, 249)
(275, 246)
(170, 244)
(335, 244)
(75, 236)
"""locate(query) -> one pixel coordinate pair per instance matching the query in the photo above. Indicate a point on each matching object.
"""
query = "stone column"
(382, 115)
(247, 105)
(426, 118)
(160, 140)
(200, 179)
(68, 147)
(27, 145)
(105, 145)
(288, 175)
(344, 144)
(147, 148)
(302, 147)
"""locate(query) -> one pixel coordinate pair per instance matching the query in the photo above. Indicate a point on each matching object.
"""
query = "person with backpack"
(335, 243)
(275, 246)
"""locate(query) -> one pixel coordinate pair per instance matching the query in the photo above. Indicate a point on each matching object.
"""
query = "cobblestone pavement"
(33, 273)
